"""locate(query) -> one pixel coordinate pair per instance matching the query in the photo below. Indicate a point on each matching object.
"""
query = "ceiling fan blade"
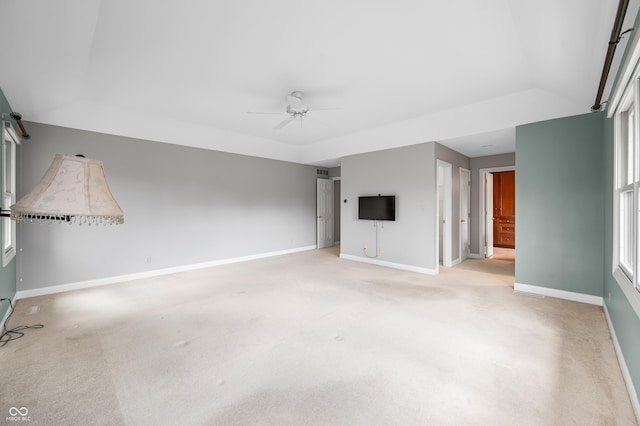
(326, 109)
(283, 123)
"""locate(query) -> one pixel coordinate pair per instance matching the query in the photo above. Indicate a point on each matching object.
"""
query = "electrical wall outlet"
(364, 248)
(381, 250)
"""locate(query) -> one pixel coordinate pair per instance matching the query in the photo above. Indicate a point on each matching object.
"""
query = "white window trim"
(9, 136)
(627, 92)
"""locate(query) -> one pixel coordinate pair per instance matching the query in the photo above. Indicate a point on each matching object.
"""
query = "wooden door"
(504, 209)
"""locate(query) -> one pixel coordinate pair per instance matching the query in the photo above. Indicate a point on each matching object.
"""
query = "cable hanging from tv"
(364, 249)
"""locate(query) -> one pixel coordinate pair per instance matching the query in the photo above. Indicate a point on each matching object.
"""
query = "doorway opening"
(497, 212)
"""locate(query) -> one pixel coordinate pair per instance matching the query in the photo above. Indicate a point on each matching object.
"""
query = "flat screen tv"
(379, 207)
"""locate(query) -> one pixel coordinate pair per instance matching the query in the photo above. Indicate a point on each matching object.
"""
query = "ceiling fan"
(296, 110)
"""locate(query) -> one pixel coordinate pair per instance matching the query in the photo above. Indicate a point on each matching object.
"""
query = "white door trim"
(481, 221)
(465, 222)
(489, 190)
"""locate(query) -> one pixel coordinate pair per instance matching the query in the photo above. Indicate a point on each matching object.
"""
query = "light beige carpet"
(310, 339)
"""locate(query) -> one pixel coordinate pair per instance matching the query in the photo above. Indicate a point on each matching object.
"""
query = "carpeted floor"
(310, 339)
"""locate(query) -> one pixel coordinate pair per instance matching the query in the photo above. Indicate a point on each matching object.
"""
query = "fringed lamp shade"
(73, 190)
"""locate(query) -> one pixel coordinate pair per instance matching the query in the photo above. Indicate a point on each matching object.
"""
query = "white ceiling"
(463, 73)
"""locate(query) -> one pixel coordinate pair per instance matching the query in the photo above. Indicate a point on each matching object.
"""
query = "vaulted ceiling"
(375, 74)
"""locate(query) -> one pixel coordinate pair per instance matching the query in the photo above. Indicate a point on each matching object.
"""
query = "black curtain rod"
(613, 43)
(18, 119)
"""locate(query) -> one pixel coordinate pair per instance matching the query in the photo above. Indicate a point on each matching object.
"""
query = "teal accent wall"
(624, 319)
(8, 273)
(559, 204)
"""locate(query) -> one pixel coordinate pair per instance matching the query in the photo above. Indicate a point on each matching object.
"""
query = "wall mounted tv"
(379, 207)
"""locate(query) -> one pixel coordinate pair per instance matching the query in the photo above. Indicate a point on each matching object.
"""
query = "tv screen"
(380, 207)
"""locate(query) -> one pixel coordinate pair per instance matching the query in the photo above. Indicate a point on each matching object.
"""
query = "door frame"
(446, 213)
(464, 222)
(483, 232)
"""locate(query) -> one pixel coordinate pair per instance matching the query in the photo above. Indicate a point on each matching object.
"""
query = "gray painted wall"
(182, 206)
(408, 173)
(477, 163)
(559, 204)
(456, 160)
(8, 273)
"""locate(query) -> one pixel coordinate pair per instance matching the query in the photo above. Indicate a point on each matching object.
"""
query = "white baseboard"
(455, 262)
(6, 314)
(559, 294)
(475, 256)
(22, 294)
(633, 395)
(390, 264)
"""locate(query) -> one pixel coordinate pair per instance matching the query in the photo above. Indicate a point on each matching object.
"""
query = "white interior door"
(488, 214)
(324, 210)
(465, 213)
(444, 183)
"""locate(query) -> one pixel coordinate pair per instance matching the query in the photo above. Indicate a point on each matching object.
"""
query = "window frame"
(626, 88)
(10, 141)
(625, 182)
(627, 276)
